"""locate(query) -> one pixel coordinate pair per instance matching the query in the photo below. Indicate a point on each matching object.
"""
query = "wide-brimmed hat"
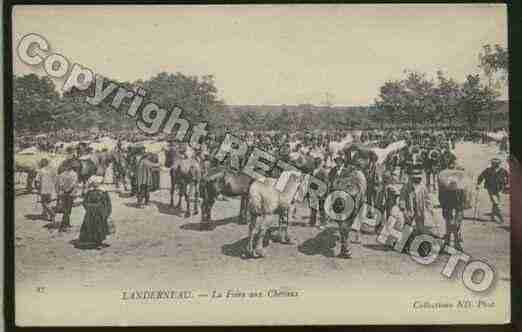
(94, 181)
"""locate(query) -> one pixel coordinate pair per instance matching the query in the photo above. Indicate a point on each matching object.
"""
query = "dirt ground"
(158, 247)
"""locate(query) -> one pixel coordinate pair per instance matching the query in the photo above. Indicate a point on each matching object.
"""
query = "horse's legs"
(181, 190)
(251, 234)
(30, 179)
(196, 197)
(206, 209)
(124, 182)
(259, 251)
(187, 200)
(116, 180)
(344, 231)
(283, 224)
(313, 217)
(172, 187)
(83, 187)
(243, 209)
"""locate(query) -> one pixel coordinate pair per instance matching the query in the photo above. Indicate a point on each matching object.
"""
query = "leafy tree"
(494, 60)
(409, 100)
(475, 99)
(447, 96)
(391, 101)
(196, 96)
(34, 98)
(419, 98)
(494, 63)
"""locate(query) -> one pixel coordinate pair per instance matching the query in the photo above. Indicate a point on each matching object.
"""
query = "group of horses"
(259, 200)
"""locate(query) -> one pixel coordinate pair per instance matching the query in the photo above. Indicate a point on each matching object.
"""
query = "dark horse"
(227, 183)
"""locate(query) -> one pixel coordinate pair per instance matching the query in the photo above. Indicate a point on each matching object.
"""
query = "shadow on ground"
(35, 217)
(21, 192)
(88, 246)
(236, 249)
(377, 246)
(322, 244)
(208, 226)
(507, 228)
(164, 208)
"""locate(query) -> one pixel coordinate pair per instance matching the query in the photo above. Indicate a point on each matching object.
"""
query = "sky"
(270, 54)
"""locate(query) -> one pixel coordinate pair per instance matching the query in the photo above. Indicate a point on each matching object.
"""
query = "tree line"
(416, 100)
(412, 101)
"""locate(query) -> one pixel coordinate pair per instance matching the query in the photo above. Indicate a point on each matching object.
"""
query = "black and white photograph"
(306, 164)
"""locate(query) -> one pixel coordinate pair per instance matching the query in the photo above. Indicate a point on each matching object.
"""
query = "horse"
(185, 172)
(305, 163)
(264, 200)
(335, 147)
(227, 183)
(29, 163)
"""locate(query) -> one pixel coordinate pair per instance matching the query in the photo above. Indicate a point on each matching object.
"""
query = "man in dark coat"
(134, 156)
(144, 177)
(495, 180)
(66, 185)
(170, 159)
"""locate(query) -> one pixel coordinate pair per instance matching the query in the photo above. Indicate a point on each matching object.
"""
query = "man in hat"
(320, 172)
(447, 157)
(416, 201)
(452, 203)
(495, 180)
(134, 156)
(46, 179)
(337, 170)
(431, 164)
(82, 149)
(144, 176)
(66, 185)
(385, 198)
(354, 168)
(394, 216)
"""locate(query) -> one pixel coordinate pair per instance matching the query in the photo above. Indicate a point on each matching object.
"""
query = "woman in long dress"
(95, 226)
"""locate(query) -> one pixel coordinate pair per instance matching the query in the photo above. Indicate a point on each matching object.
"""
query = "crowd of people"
(400, 186)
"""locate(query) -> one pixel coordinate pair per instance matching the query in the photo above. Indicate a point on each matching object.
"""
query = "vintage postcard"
(261, 164)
